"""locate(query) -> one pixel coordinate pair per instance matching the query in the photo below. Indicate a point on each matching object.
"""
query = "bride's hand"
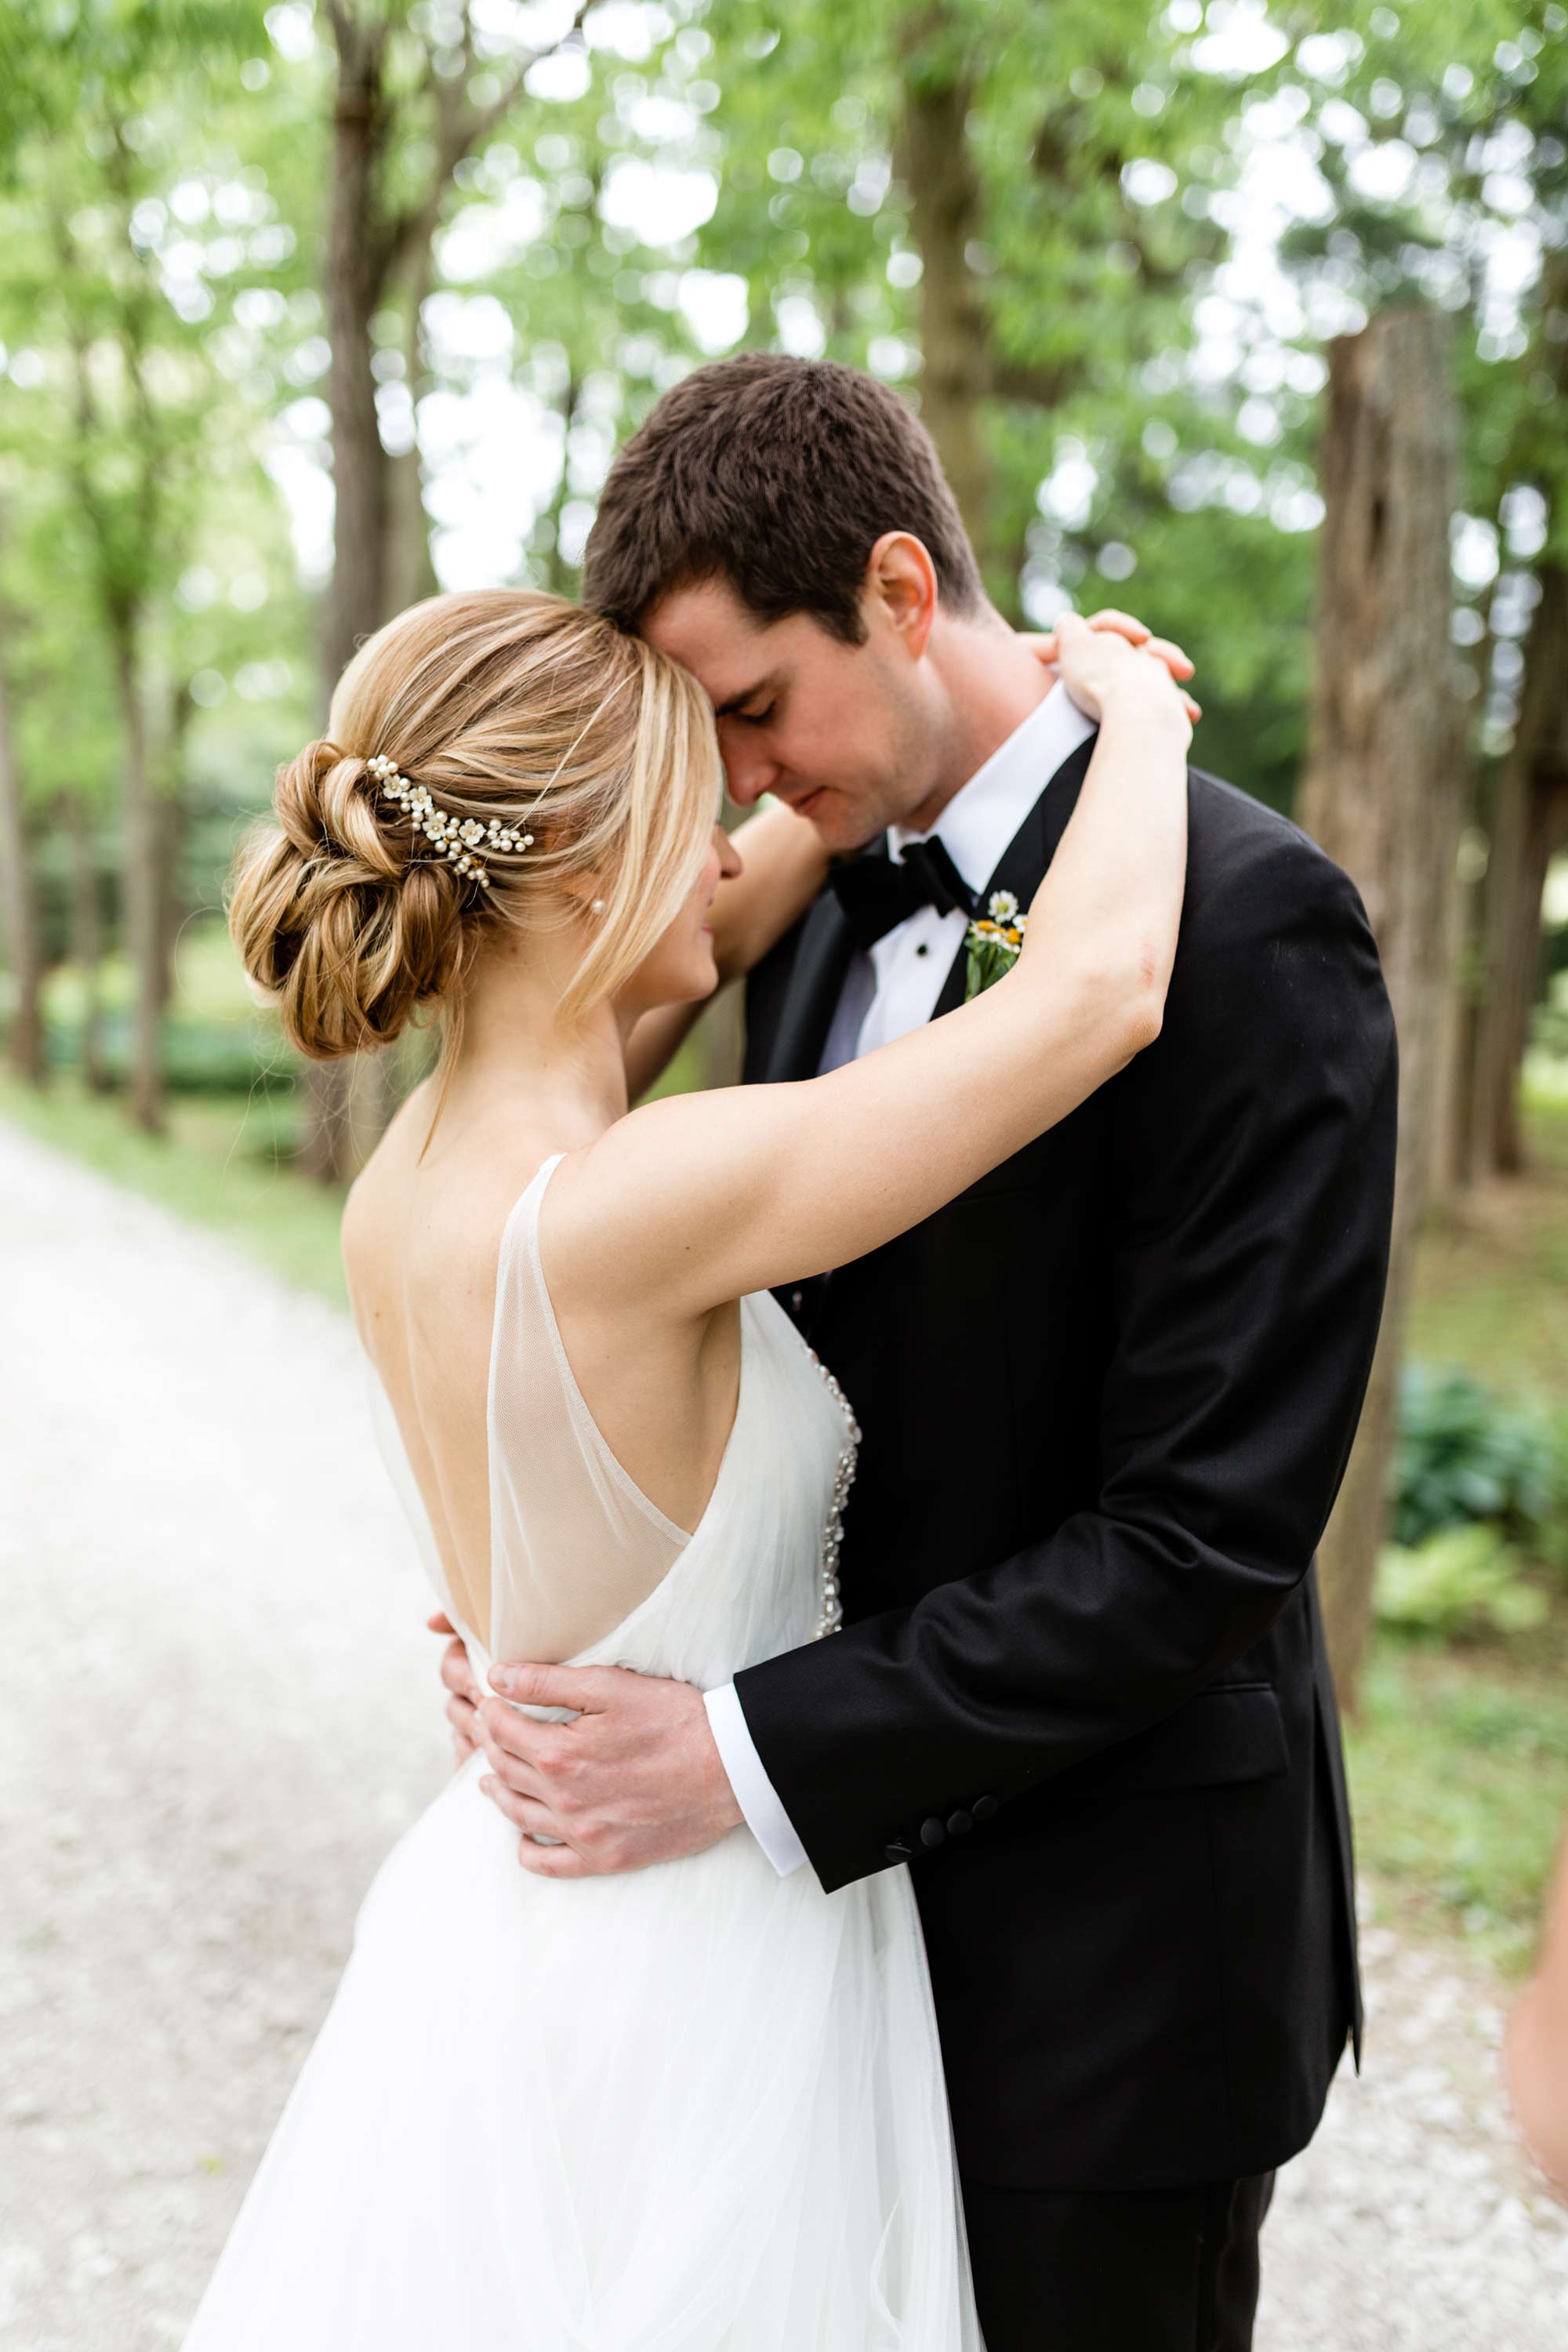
(1102, 667)
(462, 1705)
(1112, 623)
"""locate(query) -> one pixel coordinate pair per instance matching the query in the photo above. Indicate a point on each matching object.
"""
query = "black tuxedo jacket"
(1107, 1395)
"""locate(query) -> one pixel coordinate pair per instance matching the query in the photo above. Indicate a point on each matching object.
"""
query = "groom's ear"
(901, 592)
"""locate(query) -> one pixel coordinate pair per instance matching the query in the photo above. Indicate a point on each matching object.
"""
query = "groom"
(1106, 1398)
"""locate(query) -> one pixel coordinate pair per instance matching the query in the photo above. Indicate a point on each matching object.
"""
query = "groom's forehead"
(734, 656)
(706, 626)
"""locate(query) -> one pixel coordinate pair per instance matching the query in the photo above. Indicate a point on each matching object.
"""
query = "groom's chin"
(839, 824)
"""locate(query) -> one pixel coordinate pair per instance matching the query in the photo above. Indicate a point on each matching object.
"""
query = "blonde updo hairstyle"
(508, 705)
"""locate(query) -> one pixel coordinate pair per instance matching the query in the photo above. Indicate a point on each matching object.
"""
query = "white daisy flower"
(1003, 907)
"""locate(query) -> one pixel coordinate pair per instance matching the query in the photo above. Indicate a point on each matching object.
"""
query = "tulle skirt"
(699, 2108)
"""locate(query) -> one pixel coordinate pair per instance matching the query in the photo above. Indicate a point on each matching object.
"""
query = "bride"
(698, 2107)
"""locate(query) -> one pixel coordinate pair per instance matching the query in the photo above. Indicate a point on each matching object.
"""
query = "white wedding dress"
(695, 2108)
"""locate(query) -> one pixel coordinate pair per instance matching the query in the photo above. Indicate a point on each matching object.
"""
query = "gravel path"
(218, 1707)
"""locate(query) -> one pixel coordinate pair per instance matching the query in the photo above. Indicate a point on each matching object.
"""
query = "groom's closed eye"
(754, 704)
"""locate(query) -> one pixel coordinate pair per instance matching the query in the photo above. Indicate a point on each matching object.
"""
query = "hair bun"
(333, 919)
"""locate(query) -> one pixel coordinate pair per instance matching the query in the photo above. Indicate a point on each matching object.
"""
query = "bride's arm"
(784, 866)
(705, 1197)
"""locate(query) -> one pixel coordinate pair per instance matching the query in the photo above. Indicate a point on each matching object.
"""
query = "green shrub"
(1467, 1580)
(1464, 1458)
(200, 1058)
(1459, 1778)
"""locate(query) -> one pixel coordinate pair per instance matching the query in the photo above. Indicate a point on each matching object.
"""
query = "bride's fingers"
(1047, 651)
(1163, 649)
(457, 1674)
(440, 1622)
(553, 1860)
(1043, 644)
(1179, 664)
(1121, 625)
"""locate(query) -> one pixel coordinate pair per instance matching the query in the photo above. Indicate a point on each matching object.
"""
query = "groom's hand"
(636, 1778)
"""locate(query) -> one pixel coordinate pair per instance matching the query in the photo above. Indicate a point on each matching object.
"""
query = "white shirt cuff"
(754, 1792)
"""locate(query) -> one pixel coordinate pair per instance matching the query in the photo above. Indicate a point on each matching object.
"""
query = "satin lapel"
(826, 949)
(1023, 863)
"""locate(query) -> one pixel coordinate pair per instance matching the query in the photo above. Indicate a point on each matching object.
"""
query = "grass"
(218, 1165)
(1459, 1759)
(1458, 1768)
(1492, 1285)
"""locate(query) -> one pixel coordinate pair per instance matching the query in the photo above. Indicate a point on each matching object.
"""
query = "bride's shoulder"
(611, 1200)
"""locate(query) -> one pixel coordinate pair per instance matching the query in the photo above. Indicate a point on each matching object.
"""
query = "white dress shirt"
(885, 994)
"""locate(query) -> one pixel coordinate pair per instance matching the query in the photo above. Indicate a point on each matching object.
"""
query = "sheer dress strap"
(575, 1544)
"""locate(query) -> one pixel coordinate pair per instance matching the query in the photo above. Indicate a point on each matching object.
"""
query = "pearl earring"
(599, 906)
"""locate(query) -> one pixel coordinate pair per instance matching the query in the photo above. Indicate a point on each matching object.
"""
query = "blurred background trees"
(1254, 318)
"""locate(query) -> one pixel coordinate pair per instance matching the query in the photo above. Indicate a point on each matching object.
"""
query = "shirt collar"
(983, 814)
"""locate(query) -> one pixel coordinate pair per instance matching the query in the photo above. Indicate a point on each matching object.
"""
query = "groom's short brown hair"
(777, 475)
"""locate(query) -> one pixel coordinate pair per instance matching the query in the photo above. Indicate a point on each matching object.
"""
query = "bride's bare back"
(489, 1360)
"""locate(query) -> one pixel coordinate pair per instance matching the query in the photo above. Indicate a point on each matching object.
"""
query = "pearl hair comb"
(461, 838)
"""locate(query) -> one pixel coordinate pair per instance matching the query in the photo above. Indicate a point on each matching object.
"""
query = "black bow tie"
(877, 893)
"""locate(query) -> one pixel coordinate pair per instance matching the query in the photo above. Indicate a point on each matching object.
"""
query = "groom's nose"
(748, 774)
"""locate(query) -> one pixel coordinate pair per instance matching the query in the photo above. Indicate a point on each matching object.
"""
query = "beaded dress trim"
(831, 1615)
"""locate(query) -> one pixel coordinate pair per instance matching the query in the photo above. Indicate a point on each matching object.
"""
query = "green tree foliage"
(1084, 213)
(1099, 245)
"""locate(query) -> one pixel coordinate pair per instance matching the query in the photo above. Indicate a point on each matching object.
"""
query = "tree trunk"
(1443, 1165)
(1527, 829)
(944, 201)
(1508, 965)
(169, 810)
(355, 603)
(412, 567)
(172, 905)
(142, 888)
(369, 247)
(26, 1044)
(1381, 791)
(87, 941)
(561, 576)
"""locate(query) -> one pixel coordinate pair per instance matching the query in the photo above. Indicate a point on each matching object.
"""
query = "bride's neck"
(513, 1035)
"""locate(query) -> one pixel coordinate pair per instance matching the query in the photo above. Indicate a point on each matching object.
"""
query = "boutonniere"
(994, 941)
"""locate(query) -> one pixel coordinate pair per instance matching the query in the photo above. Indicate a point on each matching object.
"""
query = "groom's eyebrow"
(769, 684)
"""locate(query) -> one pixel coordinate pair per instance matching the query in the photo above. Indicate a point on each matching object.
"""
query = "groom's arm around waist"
(1253, 1172)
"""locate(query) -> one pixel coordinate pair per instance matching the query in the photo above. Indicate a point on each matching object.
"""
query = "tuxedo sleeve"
(1252, 1153)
